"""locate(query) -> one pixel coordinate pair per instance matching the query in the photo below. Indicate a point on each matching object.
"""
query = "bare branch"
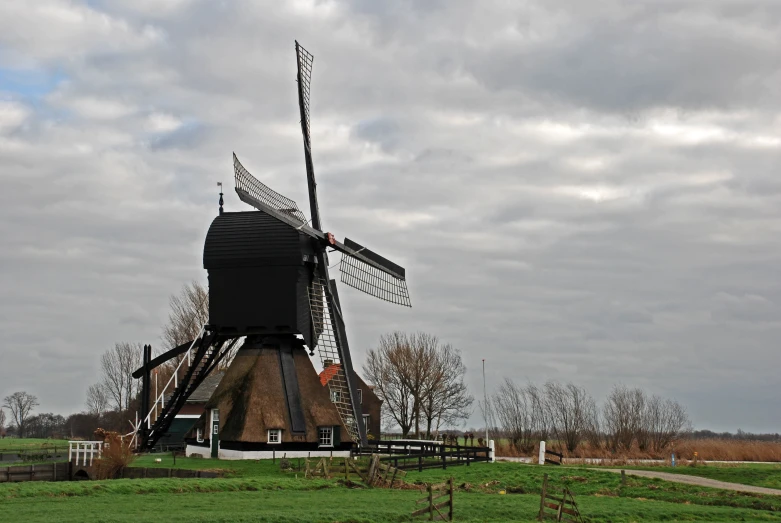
(118, 365)
(97, 399)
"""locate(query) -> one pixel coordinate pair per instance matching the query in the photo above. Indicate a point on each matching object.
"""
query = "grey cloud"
(577, 192)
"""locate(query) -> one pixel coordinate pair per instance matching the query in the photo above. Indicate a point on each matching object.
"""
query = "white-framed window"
(366, 420)
(275, 436)
(326, 436)
(360, 396)
(336, 396)
(199, 435)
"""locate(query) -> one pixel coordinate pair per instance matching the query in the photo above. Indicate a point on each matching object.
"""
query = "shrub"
(116, 455)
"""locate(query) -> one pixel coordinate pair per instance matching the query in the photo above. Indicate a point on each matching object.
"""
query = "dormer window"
(274, 436)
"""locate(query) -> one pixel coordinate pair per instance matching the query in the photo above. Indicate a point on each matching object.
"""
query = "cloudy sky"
(583, 191)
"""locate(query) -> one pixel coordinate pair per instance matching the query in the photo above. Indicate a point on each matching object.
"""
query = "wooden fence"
(64, 472)
(375, 473)
(419, 455)
(558, 455)
(435, 492)
(559, 502)
(46, 472)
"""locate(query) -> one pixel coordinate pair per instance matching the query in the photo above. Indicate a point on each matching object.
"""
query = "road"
(696, 480)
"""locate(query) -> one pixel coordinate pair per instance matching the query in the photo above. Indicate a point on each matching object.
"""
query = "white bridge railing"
(81, 450)
(161, 398)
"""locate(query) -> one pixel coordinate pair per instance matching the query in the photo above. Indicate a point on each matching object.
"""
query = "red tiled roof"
(329, 372)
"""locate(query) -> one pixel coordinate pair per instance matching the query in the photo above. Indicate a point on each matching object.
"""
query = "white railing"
(79, 450)
(175, 380)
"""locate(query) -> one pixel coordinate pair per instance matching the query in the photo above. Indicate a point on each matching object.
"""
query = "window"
(336, 396)
(275, 435)
(366, 421)
(360, 396)
(326, 436)
(199, 435)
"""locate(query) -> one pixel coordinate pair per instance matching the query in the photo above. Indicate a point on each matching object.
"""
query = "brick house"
(371, 405)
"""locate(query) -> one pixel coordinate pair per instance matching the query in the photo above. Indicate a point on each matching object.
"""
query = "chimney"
(327, 363)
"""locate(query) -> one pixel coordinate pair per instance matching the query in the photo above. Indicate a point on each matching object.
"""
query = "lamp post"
(485, 406)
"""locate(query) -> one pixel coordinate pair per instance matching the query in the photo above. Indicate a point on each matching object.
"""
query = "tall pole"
(485, 406)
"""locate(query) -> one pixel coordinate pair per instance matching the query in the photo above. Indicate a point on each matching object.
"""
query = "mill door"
(215, 432)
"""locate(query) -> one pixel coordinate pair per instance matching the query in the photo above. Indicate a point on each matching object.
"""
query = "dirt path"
(696, 480)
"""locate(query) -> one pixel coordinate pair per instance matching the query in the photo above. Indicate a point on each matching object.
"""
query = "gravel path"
(696, 480)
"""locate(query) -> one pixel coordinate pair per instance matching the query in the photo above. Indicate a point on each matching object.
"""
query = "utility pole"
(485, 406)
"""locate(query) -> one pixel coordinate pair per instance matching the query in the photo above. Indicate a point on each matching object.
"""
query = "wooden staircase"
(200, 360)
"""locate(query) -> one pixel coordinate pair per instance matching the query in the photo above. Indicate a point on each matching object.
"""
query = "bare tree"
(2, 422)
(664, 422)
(420, 380)
(566, 406)
(189, 313)
(444, 397)
(118, 365)
(510, 406)
(623, 416)
(536, 401)
(386, 367)
(593, 426)
(97, 399)
(21, 405)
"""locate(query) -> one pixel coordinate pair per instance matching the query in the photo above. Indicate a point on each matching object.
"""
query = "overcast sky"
(584, 191)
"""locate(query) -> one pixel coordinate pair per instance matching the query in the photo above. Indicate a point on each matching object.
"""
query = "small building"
(371, 405)
(185, 420)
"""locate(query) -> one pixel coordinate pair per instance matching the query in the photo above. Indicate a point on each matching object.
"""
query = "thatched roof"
(252, 399)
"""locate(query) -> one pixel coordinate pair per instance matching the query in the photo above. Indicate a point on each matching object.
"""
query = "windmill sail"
(253, 187)
(369, 272)
(331, 349)
(305, 60)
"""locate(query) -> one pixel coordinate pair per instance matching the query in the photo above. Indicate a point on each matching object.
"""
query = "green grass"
(31, 443)
(344, 505)
(759, 475)
(259, 491)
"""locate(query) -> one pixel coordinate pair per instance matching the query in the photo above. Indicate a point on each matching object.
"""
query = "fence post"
(444, 462)
(542, 497)
(450, 512)
(492, 446)
(623, 478)
(541, 458)
(420, 463)
(430, 503)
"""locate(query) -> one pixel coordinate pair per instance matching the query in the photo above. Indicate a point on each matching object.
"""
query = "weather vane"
(219, 184)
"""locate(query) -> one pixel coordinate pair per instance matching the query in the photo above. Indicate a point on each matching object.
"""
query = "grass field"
(30, 443)
(259, 491)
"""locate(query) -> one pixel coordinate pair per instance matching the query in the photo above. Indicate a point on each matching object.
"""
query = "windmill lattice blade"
(328, 347)
(360, 275)
(305, 61)
(255, 188)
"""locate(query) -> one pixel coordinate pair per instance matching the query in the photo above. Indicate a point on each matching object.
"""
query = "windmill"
(269, 285)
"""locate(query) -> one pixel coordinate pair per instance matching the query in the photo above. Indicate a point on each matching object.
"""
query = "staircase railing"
(175, 380)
